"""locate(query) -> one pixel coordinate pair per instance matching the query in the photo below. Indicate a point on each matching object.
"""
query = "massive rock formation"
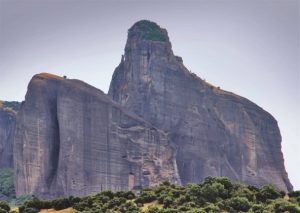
(71, 139)
(158, 122)
(215, 132)
(8, 111)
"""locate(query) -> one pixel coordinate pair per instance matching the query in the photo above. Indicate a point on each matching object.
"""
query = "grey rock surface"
(158, 122)
(71, 139)
(215, 132)
(7, 128)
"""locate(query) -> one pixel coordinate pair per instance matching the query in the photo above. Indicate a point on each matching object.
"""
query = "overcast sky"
(249, 47)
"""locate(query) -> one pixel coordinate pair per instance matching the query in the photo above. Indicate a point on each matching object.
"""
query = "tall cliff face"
(215, 132)
(8, 111)
(71, 139)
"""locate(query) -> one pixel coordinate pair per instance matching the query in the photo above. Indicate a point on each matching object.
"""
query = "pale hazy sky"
(249, 47)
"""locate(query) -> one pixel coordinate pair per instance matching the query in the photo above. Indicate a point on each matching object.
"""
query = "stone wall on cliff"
(71, 139)
(215, 132)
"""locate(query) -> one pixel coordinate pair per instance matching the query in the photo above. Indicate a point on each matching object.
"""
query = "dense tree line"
(214, 194)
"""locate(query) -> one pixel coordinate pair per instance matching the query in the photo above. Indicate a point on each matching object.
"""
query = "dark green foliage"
(239, 204)
(2, 210)
(7, 182)
(129, 207)
(146, 196)
(268, 192)
(153, 210)
(4, 205)
(12, 104)
(31, 210)
(36, 203)
(149, 31)
(285, 206)
(213, 195)
(212, 208)
(60, 203)
(294, 194)
(257, 208)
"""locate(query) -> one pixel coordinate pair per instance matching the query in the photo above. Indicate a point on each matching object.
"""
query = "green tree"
(4, 205)
(281, 205)
(239, 204)
(267, 192)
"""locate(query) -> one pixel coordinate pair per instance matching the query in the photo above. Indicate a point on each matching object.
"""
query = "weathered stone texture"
(158, 122)
(7, 127)
(215, 132)
(71, 139)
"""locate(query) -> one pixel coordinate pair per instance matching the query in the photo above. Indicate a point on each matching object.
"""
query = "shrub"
(239, 204)
(196, 210)
(2, 210)
(281, 205)
(128, 195)
(61, 203)
(212, 191)
(153, 209)
(108, 193)
(146, 196)
(4, 205)
(129, 207)
(257, 208)
(149, 30)
(294, 194)
(31, 210)
(74, 200)
(167, 202)
(210, 207)
(268, 192)
(80, 206)
(115, 202)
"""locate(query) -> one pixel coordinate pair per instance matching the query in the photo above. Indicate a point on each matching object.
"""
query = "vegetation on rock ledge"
(14, 105)
(150, 31)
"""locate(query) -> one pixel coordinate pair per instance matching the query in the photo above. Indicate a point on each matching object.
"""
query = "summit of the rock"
(148, 30)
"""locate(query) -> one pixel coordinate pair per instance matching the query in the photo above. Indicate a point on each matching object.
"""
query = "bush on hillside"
(214, 194)
(4, 205)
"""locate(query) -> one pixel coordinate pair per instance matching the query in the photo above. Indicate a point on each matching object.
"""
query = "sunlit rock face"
(8, 112)
(215, 132)
(71, 139)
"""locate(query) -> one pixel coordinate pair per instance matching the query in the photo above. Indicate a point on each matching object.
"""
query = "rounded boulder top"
(148, 30)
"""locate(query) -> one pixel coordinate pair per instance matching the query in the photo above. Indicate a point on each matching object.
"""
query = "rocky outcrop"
(8, 111)
(158, 122)
(71, 139)
(216, 133)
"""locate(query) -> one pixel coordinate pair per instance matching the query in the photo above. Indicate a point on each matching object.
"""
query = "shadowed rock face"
(71, 139)
(215, 132)
(8, 111)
